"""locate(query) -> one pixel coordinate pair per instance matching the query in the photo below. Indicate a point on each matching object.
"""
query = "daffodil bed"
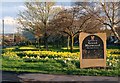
(56, 62)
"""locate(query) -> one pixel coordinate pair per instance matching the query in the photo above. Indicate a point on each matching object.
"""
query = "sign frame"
(85, 63)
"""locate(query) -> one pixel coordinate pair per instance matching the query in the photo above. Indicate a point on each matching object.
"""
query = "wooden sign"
(92, 50)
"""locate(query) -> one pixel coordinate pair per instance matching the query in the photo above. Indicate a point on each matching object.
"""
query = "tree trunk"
(68, 42)
(115, 33)
(71, 43)
(39, 42)
(46, 41)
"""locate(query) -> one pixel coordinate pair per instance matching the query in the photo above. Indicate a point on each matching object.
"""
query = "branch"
(84, 22)
(65, 32)
(117, 22)
(113, 12)
(107, 24)
(105, 10)
(77, 32)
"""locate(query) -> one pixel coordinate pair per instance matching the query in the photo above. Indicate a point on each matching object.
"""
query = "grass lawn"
(55, 61)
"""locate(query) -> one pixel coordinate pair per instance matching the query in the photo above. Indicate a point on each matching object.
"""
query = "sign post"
(92, 50)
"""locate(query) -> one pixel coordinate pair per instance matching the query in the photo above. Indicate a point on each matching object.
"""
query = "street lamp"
(2, 33)
(13, 23)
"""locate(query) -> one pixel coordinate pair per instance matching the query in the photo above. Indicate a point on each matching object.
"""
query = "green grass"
(56, 66)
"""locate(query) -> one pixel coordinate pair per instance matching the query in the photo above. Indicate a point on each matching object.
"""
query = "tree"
(112, 20)
(36, 17)
(106, 12)
(73, 21)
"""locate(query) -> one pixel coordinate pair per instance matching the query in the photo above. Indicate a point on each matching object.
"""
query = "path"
(43, 78)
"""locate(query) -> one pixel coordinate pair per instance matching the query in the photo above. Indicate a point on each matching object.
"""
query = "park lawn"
(19, 59)
(54, 67)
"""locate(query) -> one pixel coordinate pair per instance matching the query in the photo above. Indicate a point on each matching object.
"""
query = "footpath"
(11, 77)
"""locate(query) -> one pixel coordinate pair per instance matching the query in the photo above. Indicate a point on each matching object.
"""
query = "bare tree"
(111, 11)
(106, 12)
(36, 17)
(73, 21)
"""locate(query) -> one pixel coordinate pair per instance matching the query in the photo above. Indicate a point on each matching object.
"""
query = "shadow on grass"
(113, 47)
(64, 49)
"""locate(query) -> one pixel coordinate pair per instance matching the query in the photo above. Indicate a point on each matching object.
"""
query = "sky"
(9, 12)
